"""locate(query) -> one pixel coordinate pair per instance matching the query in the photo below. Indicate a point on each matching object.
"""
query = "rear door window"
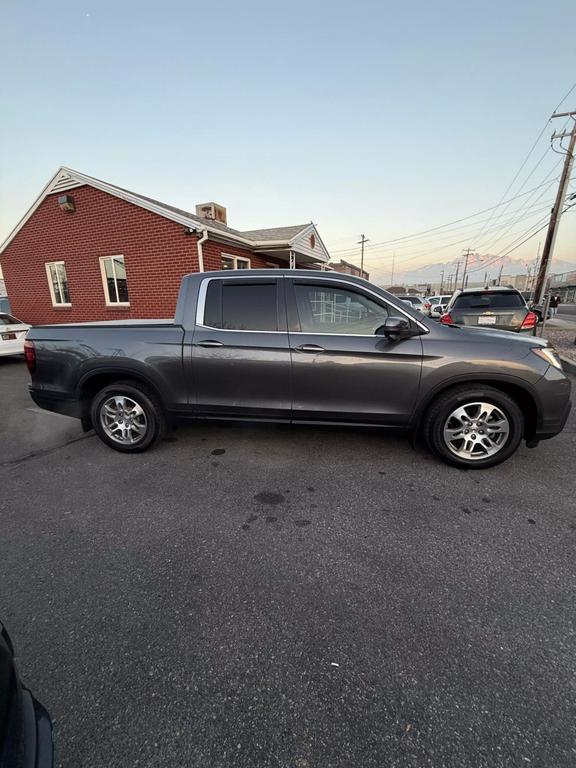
(236, 305)
(486, 301)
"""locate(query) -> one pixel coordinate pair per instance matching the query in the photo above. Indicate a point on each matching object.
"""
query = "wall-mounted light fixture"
(66, 203)
(190, 231)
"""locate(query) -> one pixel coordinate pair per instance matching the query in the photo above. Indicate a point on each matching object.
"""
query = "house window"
(114, 280)
(58, 284)
(234, 262)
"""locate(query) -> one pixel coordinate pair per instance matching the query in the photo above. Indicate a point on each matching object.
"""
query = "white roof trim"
(67, 178)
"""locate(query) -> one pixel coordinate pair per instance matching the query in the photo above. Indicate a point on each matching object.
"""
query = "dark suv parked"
(303, 347)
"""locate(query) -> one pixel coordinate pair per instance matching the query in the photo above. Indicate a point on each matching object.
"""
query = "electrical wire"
(531, 150)
(503, 255)
(435, 229)
(505, 228)
(440, 244)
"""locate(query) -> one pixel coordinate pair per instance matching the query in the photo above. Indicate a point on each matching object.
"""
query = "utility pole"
(500, 273)
(533, 268)
(486, 279)
(456, 279)
(361, 242)
(466, 257)
(540, 287)
(442, 281)
(393, 264)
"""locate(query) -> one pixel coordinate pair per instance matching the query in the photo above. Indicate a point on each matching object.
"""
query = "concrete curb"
(568, 365)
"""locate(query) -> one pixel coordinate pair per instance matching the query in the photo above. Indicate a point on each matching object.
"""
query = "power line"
(442, 226)
(519, 171)
(531, 150)
(445, 245)
(534, 169)
(558, 209)
(507, 226)
(510, 248)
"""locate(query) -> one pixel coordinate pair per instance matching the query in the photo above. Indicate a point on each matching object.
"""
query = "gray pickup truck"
(303, 347)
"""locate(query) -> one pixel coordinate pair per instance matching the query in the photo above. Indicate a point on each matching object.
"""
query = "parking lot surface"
(306, 598)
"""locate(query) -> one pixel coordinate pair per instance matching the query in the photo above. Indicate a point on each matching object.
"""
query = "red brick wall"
(156, 252)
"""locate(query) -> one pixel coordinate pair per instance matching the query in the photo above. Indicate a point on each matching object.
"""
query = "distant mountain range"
(432, 273)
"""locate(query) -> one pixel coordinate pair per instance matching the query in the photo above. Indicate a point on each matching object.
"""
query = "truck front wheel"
(127, 417)
(474, 426)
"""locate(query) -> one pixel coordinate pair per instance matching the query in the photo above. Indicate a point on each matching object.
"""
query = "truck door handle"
(209, 343)
(309, 348)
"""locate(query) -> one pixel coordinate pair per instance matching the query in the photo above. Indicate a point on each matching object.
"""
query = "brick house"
(88, 250)
(349, 269)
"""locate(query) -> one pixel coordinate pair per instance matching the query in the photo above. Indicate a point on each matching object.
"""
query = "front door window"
(337, 310)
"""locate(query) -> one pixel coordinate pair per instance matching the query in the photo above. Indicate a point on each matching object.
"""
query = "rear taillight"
(446, 318)
(427, 306)
(30, 355)
(529, 321)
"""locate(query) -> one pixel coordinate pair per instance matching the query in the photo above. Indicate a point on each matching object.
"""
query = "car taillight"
(529, 321)
(30, 355)
(427, 306)
(446, 318)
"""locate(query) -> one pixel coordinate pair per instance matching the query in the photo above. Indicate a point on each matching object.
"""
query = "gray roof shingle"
(274, 233)
(283, 234)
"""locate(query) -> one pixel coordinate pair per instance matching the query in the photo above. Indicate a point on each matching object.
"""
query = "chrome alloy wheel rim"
(123, 420)
(476, 431)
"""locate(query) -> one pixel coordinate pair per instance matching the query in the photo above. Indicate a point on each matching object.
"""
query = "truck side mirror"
(395, 328)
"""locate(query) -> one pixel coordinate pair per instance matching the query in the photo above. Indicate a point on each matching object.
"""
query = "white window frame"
(105, 280)
(235, 259)
(47, 266)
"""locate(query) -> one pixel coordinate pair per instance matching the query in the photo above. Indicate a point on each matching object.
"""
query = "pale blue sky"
(375, 117)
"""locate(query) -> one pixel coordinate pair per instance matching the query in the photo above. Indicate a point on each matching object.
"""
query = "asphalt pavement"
(567, 311)
(306, 598)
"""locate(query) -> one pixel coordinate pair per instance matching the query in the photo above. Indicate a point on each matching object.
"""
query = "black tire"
(154, 419)
(437, 417)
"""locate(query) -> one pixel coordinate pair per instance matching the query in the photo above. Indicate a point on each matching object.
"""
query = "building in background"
(349, 269)
(565, 285)
(520, 282)
(89, 250)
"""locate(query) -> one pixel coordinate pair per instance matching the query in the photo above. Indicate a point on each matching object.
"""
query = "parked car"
(417, 302)
(25, 726)
(498, 307)
(438, 305)
(12, 335)
(302, 347)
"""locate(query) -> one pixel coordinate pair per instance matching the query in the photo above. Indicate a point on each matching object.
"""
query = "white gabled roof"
(66, 179)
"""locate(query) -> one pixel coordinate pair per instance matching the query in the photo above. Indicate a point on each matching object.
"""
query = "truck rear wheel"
(127, 417)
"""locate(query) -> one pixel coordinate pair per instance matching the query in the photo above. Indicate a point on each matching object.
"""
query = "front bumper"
(553, 391)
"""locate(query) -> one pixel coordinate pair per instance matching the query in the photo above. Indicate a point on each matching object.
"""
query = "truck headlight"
(548, 354)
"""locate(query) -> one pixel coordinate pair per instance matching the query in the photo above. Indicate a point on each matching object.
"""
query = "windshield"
(487, 300)
(8, 320)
